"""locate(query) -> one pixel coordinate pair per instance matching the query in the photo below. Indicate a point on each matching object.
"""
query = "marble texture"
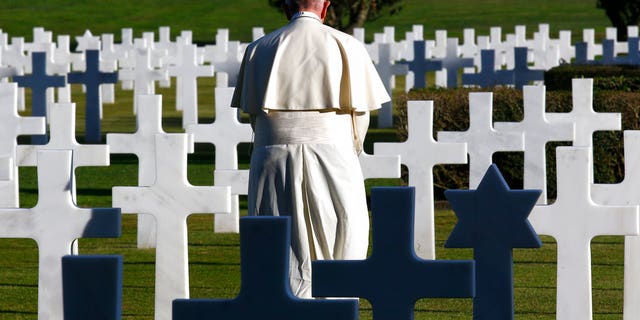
(626, 193)
(420, 153)
(225, 133)
(55, 223)
(187, 70)
(482, 139)
(573, 220)
(585, 119)
(170, 200)
(13, 125)
(537, 130)
(142, 144)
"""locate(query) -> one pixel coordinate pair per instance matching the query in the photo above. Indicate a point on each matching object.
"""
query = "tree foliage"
(346, 15)
(622, 13)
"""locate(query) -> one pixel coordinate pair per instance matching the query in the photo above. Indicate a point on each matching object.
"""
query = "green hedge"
(605, 77)
(451, 113)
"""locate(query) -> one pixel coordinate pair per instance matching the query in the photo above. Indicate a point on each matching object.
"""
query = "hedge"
(605, 77)
(451, 113)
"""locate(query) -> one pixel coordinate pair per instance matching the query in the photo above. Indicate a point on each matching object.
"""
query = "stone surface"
(142, 144)
(585, 119)
(265, 292)
(170, 200)
(13, 125)
(481, 137)
(55, 223)
(187, 71)
(537, 130)
(573, 220)
(142, 74)
(420, 153)
(225, 133)
(625, 194)
(392, 278)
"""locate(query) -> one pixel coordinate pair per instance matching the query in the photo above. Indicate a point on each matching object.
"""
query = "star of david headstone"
(493, 220)
(265, 292)
(393, 278)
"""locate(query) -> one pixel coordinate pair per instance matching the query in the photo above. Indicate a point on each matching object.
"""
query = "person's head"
(318, 7)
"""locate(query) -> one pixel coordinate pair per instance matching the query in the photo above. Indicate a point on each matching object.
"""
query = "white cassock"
(309, 89)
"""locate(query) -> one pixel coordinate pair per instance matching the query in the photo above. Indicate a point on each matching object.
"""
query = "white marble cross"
(231, 62)
(62, 137)
(626, 193)
(142, 144)
(55, 223)
(482, 139)
(387, 70)
(187, 71)
(538, 130)
(379, 166)
(109, 57)
(593, 49)
(586, 120)
(171, 199)
(225, 133)
(143, 75)
(573, 220)
(11, 126)
(420, 153)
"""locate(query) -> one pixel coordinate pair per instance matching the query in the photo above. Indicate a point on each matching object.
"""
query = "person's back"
(308, 89)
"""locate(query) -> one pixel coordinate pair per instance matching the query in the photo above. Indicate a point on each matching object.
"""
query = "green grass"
(18, 17)
(214, 258)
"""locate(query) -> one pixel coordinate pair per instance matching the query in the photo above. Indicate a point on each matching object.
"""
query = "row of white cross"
(143, 62)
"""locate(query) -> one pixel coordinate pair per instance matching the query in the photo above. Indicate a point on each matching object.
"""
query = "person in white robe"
(309, 89)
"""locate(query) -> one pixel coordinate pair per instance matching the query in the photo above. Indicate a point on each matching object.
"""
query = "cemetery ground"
(214, 259)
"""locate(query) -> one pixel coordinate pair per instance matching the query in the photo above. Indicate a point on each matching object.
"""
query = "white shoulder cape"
(306, 65)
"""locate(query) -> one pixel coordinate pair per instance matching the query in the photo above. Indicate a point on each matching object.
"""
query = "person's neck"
(303, 13)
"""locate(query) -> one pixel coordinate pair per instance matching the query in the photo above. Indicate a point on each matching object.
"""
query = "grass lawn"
(214, 258)
(203, 17)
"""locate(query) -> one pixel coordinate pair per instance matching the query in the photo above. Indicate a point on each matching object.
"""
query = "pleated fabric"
(304, 166)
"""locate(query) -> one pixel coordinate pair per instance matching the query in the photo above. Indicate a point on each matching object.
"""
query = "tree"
(346, 15)
(622, 13)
